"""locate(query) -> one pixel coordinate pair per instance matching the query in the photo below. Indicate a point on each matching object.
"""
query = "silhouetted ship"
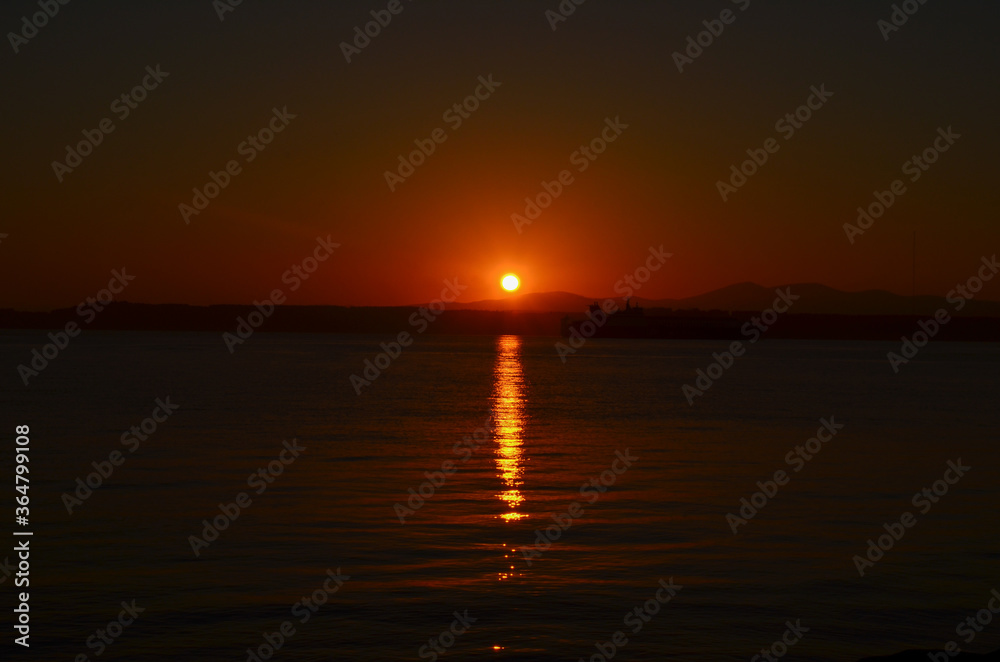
(633, 322)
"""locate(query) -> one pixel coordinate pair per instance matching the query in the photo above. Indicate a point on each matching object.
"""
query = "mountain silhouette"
(749, 297)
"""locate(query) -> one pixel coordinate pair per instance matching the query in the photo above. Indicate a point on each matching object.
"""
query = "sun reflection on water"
(508, 417)
(507, 403)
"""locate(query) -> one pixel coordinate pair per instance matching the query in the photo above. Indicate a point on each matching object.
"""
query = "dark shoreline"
(393, 320)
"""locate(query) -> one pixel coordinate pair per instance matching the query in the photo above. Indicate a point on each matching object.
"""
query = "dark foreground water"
(554, 428)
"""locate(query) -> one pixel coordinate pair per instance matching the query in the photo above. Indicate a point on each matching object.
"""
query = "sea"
(487, 498)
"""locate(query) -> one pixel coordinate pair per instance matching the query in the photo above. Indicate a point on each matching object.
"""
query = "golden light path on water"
(508, 422)
(508, 428)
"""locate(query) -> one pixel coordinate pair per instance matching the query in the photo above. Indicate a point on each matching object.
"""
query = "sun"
(510, 282)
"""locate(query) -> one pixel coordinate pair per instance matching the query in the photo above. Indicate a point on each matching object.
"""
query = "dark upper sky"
(324, 173)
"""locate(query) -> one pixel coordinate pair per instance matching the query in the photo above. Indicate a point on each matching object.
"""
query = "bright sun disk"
(510, 282)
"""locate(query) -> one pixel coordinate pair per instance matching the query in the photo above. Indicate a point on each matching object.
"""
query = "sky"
(553, 87)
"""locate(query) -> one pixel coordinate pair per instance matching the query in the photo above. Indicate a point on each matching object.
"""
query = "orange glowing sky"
(654, 185)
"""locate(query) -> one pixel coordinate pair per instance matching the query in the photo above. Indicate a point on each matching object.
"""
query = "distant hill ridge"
(814, 299)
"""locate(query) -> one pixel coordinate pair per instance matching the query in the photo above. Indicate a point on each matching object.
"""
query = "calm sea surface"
(554, 428)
